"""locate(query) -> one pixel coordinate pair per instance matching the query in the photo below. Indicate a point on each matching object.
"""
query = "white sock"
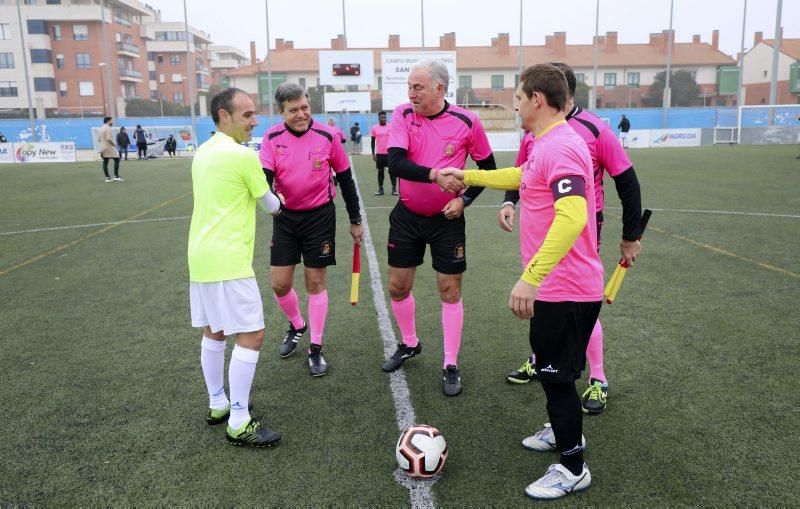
(212, 360)
(241, 371)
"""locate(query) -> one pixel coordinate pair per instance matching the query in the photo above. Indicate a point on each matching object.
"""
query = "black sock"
(573, 459)
(566, 418)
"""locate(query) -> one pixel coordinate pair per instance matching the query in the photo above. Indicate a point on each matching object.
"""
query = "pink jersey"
(525, 148)
(560, 153)
(381, 135)
(439, 141)
(302, 163)
(339, 133)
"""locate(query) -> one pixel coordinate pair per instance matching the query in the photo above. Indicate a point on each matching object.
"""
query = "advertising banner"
(638, 138)
(674, 137)
(396, 66)
(341, 68)
(6, 153)
(45, 152)
(347, 101)
(156, 137)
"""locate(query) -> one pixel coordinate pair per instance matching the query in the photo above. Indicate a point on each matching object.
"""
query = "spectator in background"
(170, 145)
(108, 149)
(624, 126)
(355, 139)
(123, 142)
(380, 154)
(3, 138)
(141, 142)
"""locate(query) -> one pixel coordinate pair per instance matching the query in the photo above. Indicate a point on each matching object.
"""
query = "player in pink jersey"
(608, 156)
(298, 157)
(426, 135)
(561, 287)
(380, 152)
(340, 133)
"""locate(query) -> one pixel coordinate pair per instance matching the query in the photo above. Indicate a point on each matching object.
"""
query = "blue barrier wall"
(79, 130)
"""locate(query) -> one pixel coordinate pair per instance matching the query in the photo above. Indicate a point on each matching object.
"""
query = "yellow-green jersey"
(227, 180)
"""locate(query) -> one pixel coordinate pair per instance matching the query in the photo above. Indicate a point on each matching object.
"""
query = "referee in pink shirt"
(428, 134)
(298, 157)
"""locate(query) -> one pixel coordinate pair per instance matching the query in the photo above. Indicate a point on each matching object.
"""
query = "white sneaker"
(558, 482)
(119, 179)
(544, 440)
(108, 179)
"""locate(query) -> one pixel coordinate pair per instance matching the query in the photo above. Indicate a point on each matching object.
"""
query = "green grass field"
(104, 399)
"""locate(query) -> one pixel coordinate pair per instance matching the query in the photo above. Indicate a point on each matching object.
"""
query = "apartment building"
(625, 71)
(223, 59)
(758, 71)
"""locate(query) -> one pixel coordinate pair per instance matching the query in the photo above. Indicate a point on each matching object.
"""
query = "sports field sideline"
(105, 403)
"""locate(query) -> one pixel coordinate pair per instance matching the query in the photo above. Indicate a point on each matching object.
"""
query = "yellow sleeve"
(569, 222)
(507, 179)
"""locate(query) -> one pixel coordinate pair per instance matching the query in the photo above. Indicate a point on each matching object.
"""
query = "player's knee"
(450, 294)
(281, 288)
(399, 290)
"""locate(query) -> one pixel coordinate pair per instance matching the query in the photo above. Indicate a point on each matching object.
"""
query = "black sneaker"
(595, 397)
(523, 375)
(290, 341)
(379, 192)
(402, 353)
(316, 362)
(395, 193)
(252, 434)
(451, 380)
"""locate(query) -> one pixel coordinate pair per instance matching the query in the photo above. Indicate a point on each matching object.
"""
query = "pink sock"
(594, 353)
(452, 323)
(403, 311)
(291, 308)
(317, 311)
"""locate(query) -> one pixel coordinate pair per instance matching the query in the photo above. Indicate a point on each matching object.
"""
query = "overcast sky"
(312, 23)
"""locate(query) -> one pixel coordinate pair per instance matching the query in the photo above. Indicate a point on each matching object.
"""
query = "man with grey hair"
(298, 157)
(429, 134)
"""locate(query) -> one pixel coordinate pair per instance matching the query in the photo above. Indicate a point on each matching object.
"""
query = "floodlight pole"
(422, 19)
(27, 74)
(667, 92)
(191, 77)
(269, 65)
(344, 25)
(593, 96)
(741, 92)
(112, 108)
(517, 122)
(773, 84)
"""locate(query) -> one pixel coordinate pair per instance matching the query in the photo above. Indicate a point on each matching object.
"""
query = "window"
(5, 31)
(41, 56)
(83, 61)
(44, 84)
(380, 82)
(56, 29)
(633, 79)
(764, 76)
(174, 59)
(302, 82)
(516, 81)
(86, 88)
(176, 78)
(151, 56)
(80, 32)
(6, 60)
(497, 82)
(154, 95)
(152, 75)
(693, 72)
(62, 89)
(59, 61)
(465, 81)
(170, 36)
(610, 79)
(160, 59)
(53, 2)
(352, 88)
(161, 78)
(8, 89)
(580, 77)
(177, 97)
(36, 26)
(30, 2)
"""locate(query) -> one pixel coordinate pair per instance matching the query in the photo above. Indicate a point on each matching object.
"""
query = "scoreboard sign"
(396, 66)
(343, 68)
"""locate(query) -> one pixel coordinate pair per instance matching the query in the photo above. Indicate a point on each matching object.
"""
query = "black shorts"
(381, 161)
(599, 217)
(559, 335)
(410, 232)
(310, 232)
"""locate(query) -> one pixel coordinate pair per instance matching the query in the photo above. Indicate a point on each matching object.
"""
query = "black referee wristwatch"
(356, 220)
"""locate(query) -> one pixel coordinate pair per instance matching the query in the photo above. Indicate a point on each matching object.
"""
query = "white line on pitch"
(420, 493)
(52, 228)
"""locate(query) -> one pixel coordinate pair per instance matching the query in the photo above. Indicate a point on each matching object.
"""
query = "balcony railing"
(130, 73)
(130, 48)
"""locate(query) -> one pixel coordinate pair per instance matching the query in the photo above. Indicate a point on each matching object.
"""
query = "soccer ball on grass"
(421, 451)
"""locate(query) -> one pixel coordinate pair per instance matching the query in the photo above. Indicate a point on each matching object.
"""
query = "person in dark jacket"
(141, 142)
(170, 145)
(123, 142)
(624, 126)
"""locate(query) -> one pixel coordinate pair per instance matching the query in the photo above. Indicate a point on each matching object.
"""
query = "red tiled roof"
(789, 47)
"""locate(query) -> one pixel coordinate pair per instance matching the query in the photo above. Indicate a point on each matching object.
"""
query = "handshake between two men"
(450, 180)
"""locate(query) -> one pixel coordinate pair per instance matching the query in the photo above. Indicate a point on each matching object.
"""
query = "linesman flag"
(622, 268)
(356, 274)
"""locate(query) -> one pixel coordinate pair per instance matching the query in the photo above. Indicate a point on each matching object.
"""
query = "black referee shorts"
(381, 161)
(410, 232)
(310, 232)
(559, 335)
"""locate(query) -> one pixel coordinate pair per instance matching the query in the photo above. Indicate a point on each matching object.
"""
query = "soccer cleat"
(252, 434)
(594, 397)
(117, 178)
(523, 375)
(558, 482)
(379, 192)
(108, 179)
(290, 341)
(215, 417)
(395, 193)
(316, 362)
(400, 355)
(544, 440)
(451, 380)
